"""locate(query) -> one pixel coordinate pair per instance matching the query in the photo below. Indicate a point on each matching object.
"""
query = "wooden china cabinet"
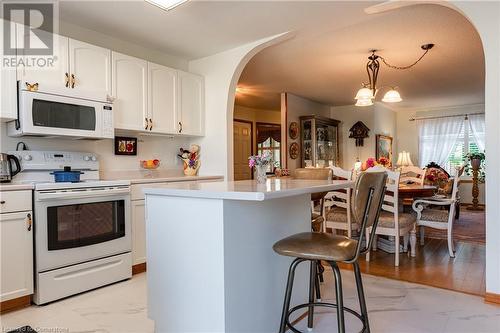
(319, 138)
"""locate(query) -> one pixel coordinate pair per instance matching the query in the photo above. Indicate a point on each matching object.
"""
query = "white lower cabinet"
(16, 245)
(138, 232)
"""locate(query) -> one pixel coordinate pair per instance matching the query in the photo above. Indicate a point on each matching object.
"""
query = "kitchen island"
(211, 267)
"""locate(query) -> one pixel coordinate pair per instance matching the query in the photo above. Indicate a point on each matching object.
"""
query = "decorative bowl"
(150, 164)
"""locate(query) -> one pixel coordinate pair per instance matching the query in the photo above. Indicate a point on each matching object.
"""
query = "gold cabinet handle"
(147, 123)
(73, 80)
(150, 124)
(66, 79)
(180, 127)
(30, 222)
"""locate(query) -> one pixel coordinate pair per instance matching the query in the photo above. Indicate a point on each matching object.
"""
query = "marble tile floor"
(394, 306)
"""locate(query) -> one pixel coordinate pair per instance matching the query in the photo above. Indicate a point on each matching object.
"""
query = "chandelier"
(368, 91)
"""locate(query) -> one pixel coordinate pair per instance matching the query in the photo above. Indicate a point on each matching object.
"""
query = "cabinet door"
(8, 98)
(130, 85)
(162, 102)
(138, 232)
(91, 67)
(191, 103)
(48, 78)
(16, 265)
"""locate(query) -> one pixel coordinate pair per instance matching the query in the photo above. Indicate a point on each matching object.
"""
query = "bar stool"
(367, 201)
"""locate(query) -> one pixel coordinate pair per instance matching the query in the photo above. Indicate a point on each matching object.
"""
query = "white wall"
(149, 147)
(378, 118)
(407, 130)
(296, 107)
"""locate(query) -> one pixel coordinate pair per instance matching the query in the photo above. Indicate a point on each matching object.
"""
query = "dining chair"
(430, 213)
(338, 205)
(412, 174)
(392, 221)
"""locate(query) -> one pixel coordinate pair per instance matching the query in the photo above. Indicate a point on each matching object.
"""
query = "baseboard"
(492, 298)
(15, 304)
(139, 268)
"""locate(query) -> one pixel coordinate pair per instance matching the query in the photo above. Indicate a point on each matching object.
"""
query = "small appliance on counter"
(6, 172)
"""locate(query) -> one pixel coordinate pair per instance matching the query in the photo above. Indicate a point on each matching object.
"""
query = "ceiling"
(326, 58)
(330, 67)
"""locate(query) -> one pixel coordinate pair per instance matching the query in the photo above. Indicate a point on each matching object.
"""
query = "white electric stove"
(82, 230)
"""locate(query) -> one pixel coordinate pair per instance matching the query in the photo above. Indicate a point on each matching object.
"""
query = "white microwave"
(52, 114)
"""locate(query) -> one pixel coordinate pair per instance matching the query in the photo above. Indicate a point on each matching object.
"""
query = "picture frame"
(293, 130)
(383, 145)
(125, 146)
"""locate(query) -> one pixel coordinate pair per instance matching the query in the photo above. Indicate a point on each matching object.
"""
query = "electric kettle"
(6, 172)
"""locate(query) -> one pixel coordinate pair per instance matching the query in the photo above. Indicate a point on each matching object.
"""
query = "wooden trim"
(285, 151)
(15, 304)
(492, 298)
(138, 268)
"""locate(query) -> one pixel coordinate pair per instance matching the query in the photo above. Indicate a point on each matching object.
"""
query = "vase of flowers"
(260, 164)
(191, 160)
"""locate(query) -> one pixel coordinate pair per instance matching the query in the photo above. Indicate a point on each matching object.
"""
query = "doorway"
(243, 148)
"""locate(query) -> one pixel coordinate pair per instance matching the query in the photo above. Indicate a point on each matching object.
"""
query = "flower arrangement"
(191, 159)
(384, 161)
(436, 177)
(260, 163)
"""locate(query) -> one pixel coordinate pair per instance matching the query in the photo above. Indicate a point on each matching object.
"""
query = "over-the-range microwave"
(53, 114)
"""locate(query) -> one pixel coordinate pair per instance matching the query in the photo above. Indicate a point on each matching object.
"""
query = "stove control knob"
(93, 158)
(28, 157)
(86, 158)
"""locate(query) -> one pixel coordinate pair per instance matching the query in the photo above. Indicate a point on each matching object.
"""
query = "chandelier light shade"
(404, 159)
(366, 95)
(392, 96)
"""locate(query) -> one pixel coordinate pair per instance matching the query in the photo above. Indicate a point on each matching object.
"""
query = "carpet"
(24, 329)
(469, 228)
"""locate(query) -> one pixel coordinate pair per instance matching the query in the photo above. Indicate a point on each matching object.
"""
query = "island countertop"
(248, 190)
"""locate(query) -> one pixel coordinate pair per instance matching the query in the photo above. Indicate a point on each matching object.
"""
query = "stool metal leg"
(312, 285)
(361, 296)
(288, 294)
(339, 296)
(318, 290)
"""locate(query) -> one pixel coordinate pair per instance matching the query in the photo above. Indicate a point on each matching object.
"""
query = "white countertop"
(155, 176)
(248, 189)
(16, 186)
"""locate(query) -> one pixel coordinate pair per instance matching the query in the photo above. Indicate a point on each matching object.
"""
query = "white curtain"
(437, 138)
(478, 129)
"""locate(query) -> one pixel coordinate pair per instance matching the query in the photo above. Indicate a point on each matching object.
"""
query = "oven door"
(48, 114)
(75, 226)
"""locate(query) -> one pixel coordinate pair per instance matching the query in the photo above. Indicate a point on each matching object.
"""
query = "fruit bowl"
(150, 164)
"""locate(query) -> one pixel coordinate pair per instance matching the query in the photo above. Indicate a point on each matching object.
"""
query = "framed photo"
(294, 150)
(383, 145)
(125, 145)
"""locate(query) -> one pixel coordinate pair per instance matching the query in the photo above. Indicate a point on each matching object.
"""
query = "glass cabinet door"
(307, 144)
(320, 147)
(326, 145)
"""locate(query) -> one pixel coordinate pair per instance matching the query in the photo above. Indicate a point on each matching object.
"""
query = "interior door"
(162, 98)
(48, 78)
(242, 149)
(130, 83)
(91, 67)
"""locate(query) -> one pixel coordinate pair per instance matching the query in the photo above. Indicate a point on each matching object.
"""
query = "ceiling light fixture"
(367, 93)
(166, 4)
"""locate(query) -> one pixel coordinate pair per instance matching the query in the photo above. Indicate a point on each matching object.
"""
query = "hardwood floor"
(432, 266)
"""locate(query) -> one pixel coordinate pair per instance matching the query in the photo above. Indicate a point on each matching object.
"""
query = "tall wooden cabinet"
(319, 141)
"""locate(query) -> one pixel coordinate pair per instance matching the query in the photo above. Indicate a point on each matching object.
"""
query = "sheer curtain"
(478, 129)
(437, 137)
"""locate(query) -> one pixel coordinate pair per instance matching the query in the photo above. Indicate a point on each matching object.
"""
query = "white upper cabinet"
(130, 85)
(8, 77)
(89, 67)
(191, 104)
(48, 78)
(162, 102)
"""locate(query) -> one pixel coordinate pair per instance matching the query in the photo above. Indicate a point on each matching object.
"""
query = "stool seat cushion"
(317, 246)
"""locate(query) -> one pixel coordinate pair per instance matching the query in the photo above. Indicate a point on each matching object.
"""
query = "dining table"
(412, 191)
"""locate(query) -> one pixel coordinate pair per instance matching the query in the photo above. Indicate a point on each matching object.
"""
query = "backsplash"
(148, 147)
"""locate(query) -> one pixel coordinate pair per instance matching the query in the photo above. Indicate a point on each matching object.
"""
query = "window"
(268, 139)
(466, 143)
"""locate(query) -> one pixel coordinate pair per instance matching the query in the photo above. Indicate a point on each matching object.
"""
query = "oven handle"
(44, 196)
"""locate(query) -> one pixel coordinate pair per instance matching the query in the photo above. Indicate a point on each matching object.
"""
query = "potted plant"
(475, 162)
(260, 163)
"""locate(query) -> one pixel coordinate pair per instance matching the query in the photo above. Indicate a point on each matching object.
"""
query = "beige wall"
(296, 107)
(256, 116)
(378, 118)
